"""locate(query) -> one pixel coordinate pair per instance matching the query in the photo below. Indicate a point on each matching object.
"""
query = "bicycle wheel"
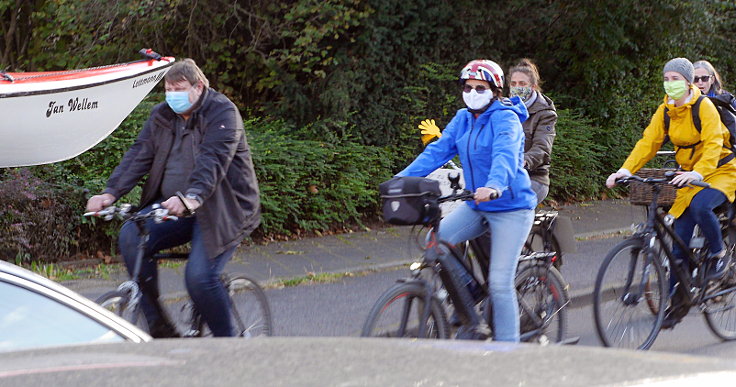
(542, 298)
(626, 282)
(249, 308)
(540, 240)
(398, 313)
(720, 312)
(118, 302)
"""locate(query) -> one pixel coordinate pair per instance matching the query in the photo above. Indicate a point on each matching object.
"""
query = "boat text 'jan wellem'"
(74, 104)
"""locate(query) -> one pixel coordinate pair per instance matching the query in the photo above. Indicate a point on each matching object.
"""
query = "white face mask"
(475, 101)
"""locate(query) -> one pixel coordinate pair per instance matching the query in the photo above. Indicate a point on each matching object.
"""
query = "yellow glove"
(430, 130)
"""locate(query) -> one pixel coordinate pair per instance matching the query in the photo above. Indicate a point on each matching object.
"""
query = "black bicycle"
(250, 310)
(632, 294)
(446, 280)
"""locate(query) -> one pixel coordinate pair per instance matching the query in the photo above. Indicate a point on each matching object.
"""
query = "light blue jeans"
(509, 231)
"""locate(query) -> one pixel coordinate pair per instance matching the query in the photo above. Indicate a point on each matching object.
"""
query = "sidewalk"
(359, 251)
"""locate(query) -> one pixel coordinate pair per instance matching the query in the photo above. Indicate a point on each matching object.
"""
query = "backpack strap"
(726, 159)
(696, 117)
(696, 121)
(696, 114)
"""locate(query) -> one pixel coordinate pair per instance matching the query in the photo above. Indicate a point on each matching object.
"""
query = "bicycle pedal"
(570, 341)
(697, 242)
(192, 333)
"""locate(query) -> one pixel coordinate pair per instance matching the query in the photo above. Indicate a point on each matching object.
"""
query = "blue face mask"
(178, 101)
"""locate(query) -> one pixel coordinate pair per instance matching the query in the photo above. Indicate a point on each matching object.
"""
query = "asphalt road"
(339, 308)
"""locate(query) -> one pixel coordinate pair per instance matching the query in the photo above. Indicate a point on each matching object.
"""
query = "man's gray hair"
(186, 70)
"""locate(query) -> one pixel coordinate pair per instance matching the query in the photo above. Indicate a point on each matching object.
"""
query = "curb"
(581, 298)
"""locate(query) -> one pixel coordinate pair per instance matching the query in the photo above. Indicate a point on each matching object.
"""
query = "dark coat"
(539, 132)
(223, 175)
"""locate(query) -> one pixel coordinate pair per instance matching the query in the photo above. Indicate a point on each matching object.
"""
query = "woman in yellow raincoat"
(703, 156)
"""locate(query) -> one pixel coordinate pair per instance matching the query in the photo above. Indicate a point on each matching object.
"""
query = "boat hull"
(54, 120)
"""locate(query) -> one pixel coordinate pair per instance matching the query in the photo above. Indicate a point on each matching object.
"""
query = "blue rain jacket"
(491, 149)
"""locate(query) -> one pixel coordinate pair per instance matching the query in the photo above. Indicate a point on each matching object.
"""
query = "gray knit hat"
(682, 66)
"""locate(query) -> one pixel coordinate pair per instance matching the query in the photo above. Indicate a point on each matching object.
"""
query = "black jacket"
(223, 174)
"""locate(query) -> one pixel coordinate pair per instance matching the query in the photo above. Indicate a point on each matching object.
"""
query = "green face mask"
(675, 89)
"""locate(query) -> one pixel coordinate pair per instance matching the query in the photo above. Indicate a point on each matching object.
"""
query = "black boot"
(473, 332)
(162, 328)
(719, 265)
(159, 326)
(674, 313)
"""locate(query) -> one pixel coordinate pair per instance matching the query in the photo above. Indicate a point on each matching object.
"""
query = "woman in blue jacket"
(488, 137)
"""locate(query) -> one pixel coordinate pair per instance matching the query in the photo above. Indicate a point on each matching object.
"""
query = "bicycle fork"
(630, 297)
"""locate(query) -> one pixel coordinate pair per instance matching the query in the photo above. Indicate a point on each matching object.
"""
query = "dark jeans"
(202, 274)
(699, 212)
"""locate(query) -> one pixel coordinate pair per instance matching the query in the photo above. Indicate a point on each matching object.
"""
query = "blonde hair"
(526, 66)
(186, 70)
(717, 85)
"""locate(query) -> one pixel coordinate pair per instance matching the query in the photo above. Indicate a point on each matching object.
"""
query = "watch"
(187, 211)
(192, 196)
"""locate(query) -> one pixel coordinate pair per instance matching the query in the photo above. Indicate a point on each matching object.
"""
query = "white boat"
(54, 116)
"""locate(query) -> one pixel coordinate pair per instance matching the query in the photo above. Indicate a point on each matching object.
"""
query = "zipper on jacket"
(475, 143)
(470, 164)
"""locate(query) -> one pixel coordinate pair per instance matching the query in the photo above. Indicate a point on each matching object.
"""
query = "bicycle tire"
(541, 240)
(720, 312)
(118, 302)
(249, 308)
(541, 290)
(403, 321)
(610, 293)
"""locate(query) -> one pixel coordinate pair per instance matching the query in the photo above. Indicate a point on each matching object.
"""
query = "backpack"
(725, 103)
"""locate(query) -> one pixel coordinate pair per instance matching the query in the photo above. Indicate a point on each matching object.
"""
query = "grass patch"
(171, 263)
(605, 236)
(344, 240)
(325, 278)
(314, 278)
(290, 252)
(57, 272)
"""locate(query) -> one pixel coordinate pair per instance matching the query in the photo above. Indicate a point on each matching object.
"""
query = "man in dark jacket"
(194, 152)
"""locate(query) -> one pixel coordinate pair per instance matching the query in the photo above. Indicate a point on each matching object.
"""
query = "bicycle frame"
(657, 226)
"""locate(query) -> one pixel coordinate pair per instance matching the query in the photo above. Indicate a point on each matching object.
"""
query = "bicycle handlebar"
(123, 212)
(462, 195)
(657, 180)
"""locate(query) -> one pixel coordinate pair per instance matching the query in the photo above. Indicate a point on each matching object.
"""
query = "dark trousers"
(699, 212)
(202, 273)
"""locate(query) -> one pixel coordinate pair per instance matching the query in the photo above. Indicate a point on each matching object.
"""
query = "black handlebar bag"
(409, 200)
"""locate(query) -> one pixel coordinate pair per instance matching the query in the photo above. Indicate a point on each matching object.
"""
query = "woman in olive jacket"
(539, 128)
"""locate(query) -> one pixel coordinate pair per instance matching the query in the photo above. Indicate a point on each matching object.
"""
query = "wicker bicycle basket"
(641, 193)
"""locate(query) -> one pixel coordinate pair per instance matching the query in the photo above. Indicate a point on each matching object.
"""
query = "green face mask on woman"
(675, 89)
